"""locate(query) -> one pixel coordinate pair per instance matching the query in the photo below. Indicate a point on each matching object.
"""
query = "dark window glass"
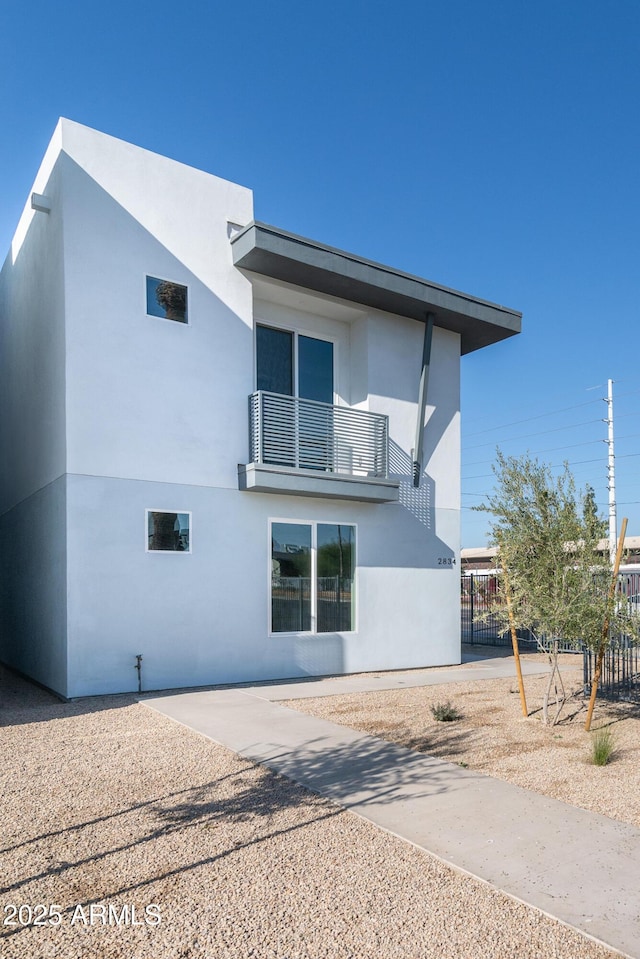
(274, 349)
(315, 369)
(167, 300)
(290, 578)
(335, 579)
(168, 531)
(315, 382)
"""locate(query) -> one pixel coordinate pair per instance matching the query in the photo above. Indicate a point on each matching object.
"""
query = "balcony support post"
(422, 398)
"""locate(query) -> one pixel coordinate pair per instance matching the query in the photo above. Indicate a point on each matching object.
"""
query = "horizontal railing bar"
(303, 433)
(292, 400)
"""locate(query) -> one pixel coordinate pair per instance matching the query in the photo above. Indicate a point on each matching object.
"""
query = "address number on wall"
(446, 561)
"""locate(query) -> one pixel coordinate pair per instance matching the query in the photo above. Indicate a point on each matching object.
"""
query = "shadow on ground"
(211, 812)
(23, 701)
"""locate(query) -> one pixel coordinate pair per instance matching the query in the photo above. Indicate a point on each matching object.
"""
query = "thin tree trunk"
(555, 681)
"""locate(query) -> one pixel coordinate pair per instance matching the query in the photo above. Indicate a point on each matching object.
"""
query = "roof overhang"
(304, 263)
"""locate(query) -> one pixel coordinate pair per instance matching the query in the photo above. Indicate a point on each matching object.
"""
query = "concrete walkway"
(576, 866)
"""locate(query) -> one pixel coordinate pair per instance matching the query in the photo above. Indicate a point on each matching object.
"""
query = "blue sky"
(491, 147)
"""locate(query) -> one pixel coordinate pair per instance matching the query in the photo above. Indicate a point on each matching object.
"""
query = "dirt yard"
(494, 738)
(127, 836)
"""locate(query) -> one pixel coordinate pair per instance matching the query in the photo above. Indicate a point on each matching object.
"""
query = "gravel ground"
(107, 803)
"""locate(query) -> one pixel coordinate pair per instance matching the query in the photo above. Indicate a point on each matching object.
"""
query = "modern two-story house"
(225, 448)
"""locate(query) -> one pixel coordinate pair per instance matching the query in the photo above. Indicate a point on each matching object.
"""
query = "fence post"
(471, 594)
(586, 670)
(604, 641)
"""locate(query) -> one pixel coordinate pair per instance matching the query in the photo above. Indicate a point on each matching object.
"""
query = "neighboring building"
(481, 559)
(478, 558)
(207, 428)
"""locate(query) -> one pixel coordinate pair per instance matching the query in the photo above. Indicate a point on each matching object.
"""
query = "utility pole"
(611, 475)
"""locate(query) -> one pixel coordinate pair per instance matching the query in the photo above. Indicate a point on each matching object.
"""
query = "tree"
(547, 536)
(172, 297)
(590, 514)
(163, 534)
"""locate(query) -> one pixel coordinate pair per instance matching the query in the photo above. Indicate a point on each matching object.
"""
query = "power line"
(549, 449)
(552, 466)
(554, 429)
(553, 449)
(578, 465)
(628, 392)
(564, 409)
(539, 416)
(524, 436)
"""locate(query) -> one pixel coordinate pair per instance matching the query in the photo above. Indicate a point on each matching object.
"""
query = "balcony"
(305, 448)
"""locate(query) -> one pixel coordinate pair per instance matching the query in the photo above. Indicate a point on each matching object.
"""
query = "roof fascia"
(269, 251)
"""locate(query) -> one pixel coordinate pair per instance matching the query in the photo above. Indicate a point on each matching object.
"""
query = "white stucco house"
(226, 448)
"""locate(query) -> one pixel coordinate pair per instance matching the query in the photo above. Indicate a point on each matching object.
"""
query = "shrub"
(445, 712)
(602, 747)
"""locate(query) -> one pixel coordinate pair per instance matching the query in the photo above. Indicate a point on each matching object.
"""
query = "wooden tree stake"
(514, 642)
(605, 627)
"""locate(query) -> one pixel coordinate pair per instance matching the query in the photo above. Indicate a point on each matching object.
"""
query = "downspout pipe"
(422, 398)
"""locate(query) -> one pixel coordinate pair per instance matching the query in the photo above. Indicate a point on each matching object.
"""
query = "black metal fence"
(620, 677)
(291, 604)
(478, 625)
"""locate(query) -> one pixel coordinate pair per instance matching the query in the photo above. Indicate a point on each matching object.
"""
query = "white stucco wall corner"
(39, 186)
(184, 208)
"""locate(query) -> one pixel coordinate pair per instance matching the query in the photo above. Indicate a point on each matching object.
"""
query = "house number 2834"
(446, 561)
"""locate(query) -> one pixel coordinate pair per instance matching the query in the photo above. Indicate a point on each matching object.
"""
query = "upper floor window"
(294, 365)
(166, 299)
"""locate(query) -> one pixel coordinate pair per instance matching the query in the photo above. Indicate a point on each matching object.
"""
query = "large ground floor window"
(312, 577)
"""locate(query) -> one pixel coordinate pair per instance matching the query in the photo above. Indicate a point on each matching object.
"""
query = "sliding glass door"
(294, 365)
(290, 578)
(312, 577)
(290, 364)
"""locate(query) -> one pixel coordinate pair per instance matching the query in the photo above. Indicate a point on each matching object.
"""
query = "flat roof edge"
(270, 251)
(354, 258)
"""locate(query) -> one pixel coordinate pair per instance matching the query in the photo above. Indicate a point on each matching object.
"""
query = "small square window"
(168, 532)
(166, 299)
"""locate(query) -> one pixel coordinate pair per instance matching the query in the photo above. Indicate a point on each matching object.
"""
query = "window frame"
(297, 330)
(166, 319)
(313, 523)
(168, 552)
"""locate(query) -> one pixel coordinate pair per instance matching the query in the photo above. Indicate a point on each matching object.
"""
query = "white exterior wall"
(152, 414)
(33, 586)
(32, 442)
(202, 618)
(415, 576)
(149, 398)
(32, 352)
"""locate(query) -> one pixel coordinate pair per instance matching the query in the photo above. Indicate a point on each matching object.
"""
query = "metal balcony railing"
(305, 434)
